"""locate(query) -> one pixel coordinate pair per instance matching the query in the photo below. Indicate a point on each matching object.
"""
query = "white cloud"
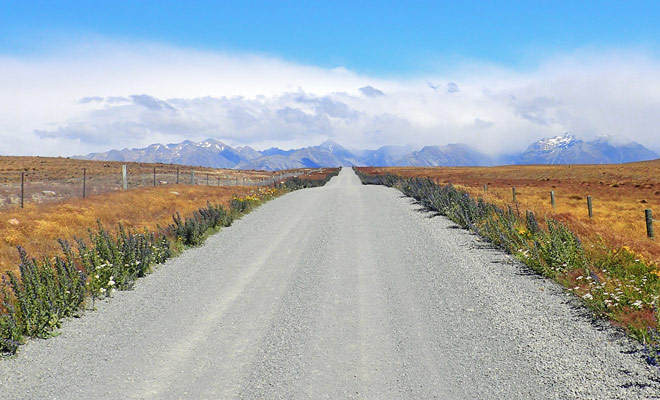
(371, 91)
(107, 95)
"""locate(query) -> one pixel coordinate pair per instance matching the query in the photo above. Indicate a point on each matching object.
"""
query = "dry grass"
(38, 226)
(52, 179)
(620, 195)
(58, 168)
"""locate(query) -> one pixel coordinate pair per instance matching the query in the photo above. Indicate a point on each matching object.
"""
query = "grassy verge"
(617, 284)
(36, 298)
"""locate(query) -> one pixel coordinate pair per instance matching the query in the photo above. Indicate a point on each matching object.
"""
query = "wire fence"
(19, 188)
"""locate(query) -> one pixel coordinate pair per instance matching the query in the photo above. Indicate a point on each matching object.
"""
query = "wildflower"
(637, 303)
(111, 282)
(96, 276)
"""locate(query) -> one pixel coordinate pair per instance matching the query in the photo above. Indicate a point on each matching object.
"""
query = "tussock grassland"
(620, 195)
(38, 226)
(58, 168)
(49, 179)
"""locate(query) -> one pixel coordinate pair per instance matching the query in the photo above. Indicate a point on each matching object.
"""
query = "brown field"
(66, 215)
(37, 227)
(620, 194)
(52, 179)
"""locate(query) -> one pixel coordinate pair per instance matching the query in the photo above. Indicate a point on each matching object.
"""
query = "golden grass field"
(59, 168)
(38, 226)
(620, 194)
(50, 179)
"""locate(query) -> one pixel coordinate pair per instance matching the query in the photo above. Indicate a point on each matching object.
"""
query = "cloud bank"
(110, 95)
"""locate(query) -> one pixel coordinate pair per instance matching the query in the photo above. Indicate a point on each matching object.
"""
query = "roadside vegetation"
(620, 195)
(92, 261)
(616, 283)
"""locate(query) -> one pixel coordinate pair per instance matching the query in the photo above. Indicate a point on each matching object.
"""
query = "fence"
(35, 185)
(648, 213)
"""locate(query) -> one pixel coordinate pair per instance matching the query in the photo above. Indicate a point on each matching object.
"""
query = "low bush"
(296, 183)
(194, 230)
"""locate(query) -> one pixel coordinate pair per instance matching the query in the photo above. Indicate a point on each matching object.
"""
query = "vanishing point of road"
(340, 292)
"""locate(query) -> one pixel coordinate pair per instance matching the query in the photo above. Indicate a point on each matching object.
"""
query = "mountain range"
(564, 149)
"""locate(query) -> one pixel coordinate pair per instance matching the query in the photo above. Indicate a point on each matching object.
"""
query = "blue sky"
(383, 38)
(495, 74)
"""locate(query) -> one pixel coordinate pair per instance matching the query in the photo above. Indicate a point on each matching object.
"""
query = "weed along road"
(343, 291)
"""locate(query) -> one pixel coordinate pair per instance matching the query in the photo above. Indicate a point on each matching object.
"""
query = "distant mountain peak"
(567, 149)
(330, 145)
(212, 144)
(565, 140)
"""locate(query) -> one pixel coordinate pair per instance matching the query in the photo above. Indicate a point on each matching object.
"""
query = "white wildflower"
(588, 296)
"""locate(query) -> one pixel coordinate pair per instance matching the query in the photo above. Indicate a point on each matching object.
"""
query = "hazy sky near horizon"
(80, 76)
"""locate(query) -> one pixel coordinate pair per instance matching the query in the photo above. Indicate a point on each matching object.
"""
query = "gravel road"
(344, 291)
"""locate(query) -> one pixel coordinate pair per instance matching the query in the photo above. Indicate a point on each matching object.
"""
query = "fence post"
(218, 181)
(192, 177)
(84, 182)
(207, 179)
(649, 223)
(177, 176)
(513, 190)
(552, 198)
(485, 188)
(22, 187)
(589, 206)
(154, 176)
(124, 177)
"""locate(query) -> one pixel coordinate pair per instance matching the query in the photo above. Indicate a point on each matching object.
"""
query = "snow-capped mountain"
(208, 153)
(564, 149)
(567, 149)
(557, 142)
